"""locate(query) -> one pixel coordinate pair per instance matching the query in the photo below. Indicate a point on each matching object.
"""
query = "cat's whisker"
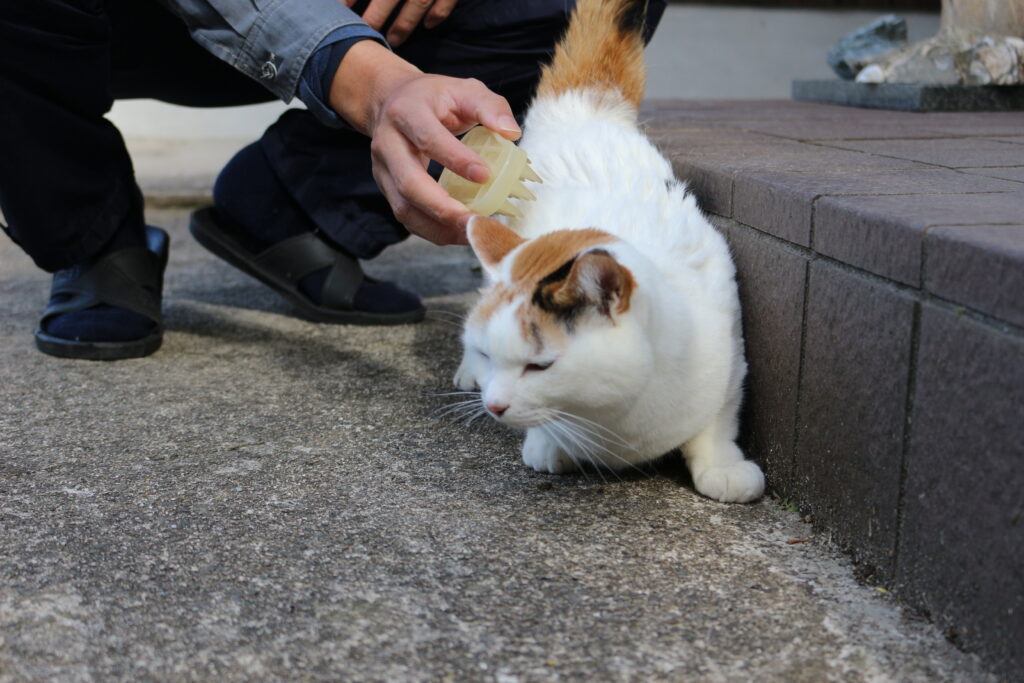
(458, 407)
(580, 420)
(586, 429)
(447, 317)
(443, 312)
(554, 436)
(456, 393)
(584, 438)
(583, 447)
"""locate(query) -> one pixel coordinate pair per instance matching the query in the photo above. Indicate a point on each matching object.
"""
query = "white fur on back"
(601, 172)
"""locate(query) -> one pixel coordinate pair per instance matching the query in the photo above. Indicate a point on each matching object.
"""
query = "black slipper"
(282, 267)
(131, 279)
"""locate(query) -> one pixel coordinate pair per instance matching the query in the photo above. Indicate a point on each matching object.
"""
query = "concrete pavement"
(267, 498)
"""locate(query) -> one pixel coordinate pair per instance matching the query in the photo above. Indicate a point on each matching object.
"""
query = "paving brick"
(744, 151)
(709, 163)
(711, 183)
(782, 204)
(771, 280)
(982, 125)
(951, 153)
(883, 234)
(668, 112)
(702, 141)
(853, 389)
(880, 128)
(962, 536)
(979, 266)
(1015, 173)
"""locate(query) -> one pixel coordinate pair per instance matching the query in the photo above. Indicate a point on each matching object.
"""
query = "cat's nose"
(496, 410)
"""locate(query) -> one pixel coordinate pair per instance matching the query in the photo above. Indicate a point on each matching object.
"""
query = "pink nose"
(496, 409)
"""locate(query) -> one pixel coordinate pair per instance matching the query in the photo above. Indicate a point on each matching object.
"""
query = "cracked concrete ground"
(267, 498)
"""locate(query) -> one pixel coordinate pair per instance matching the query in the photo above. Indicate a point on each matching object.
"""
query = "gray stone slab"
(948, 152)
(783, 203)
(976, 124)
(271, 499)
(1015, 173)
(853, 389)
(845, 130)
(668, 113)
(721, 141)
(910, 96)
(978, 266)
(771, 280)
(711, 166)
(962, 535)
(883, 234)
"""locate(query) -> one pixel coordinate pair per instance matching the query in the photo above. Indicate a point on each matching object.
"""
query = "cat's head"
(559, 328)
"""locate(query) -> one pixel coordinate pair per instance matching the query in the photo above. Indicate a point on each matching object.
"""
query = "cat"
(609, 327)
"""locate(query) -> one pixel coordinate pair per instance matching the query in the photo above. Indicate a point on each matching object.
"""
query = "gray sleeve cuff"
(283, 37)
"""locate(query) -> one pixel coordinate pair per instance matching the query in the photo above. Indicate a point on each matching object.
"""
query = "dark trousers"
(66, 180)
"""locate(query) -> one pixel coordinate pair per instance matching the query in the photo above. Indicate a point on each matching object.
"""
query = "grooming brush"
(509, 167)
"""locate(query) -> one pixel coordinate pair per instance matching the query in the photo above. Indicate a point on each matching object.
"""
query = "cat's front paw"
(740, 482)
(464, 379)
(543, 455)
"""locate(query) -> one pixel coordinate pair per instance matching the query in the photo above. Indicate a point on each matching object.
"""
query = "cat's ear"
(491, 240)
(593, 279)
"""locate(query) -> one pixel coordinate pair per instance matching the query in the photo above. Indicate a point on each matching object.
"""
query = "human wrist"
(365, 78)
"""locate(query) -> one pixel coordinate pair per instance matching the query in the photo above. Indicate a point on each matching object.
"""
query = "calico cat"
(609, 328)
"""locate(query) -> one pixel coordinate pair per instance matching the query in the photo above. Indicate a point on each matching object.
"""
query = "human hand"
(430, 12)
(411, 118)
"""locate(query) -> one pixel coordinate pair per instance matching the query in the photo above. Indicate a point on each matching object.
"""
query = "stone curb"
(880, 258)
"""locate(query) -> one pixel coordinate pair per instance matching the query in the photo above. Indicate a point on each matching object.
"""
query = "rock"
(855, 50)
(951, 58)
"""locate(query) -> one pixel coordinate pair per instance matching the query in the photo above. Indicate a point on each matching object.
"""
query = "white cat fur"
(666, 373)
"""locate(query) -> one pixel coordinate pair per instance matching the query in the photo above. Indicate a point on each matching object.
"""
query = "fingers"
(439, 12)
(427, 134)
(407, 20)
(481, 105)
(378, 11)
(416, 198)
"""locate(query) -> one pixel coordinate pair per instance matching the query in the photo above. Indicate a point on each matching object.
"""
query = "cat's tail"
(603, 49)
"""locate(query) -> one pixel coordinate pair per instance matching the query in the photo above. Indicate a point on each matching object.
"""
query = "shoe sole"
(204, 228)
(66, 348)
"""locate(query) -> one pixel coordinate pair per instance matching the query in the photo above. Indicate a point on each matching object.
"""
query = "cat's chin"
(520, 424)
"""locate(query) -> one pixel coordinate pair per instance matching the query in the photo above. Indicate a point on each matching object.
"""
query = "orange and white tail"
(603, 49)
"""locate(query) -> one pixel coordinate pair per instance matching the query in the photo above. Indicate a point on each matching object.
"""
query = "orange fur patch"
(539, 259)
(492, 240)
(547, 253)
(597, 53)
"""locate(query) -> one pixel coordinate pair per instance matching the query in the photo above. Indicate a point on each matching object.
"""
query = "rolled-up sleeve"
(268, 40)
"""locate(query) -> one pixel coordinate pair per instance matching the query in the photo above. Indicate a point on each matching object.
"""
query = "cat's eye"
(537, 367)
(483, 355)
